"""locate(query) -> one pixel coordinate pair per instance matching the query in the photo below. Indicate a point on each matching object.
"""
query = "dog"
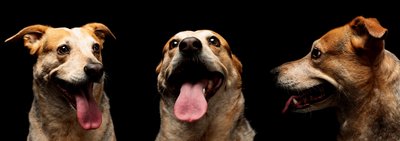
(199, 79)
(69, 101)
(348, 69)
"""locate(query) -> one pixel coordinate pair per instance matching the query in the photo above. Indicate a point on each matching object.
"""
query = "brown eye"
(214, 41)
(174, 43)
(96, 47)
(315, 53)
(63, 49)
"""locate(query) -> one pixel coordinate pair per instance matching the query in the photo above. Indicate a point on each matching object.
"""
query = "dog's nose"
(274, 71)
(190, 45)
(274, 74)
(94, 71)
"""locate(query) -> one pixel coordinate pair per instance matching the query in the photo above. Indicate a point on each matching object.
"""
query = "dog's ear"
(369, 35)
(31, 34)
(100, 30)
(368, 25)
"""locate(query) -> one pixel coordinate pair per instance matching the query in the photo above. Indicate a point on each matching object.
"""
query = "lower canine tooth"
(204, 90)
(295, 101)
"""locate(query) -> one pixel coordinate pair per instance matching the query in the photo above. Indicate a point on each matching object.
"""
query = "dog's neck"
(373, 113)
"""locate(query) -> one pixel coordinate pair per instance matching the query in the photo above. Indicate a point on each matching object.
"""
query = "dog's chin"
(314, 98)
(80, 98)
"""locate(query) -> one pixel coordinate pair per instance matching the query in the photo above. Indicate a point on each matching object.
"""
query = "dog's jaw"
(196, 85)
(82, 100)
(314, 92)
(311, 99)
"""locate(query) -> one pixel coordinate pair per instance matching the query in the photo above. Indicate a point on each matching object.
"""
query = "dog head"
(336, 69)
(69, 62)
(197, 67)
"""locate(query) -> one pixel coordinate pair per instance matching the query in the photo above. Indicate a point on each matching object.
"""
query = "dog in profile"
(349, 68)
(69, 100)
(199, 80)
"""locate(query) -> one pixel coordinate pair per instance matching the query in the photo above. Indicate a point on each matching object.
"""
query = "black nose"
(190, 46)
(94, 71)
(274, 71)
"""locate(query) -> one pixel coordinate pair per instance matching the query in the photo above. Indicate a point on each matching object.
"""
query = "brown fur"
(224, 119)
(69, 65)
(365, 76)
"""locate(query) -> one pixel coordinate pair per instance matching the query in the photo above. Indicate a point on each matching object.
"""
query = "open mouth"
(194, 85)
(303, 99)
(197, 73)
(81, 99)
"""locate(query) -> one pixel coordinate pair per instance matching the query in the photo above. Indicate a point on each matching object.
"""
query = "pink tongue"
(89, 115)
(288, 102)
(191, 104)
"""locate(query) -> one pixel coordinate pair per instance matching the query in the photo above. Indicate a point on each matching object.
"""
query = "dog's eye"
(214, 41)
(174, 43)
(96, 47)
(315, 53)
(63, 49)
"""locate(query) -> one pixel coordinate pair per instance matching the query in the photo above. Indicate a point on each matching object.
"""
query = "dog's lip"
(214, 83)
(309, 97)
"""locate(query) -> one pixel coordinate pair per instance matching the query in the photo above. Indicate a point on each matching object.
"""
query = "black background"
(263, 36)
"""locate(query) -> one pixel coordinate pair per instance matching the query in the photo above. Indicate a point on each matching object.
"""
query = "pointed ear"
(100, 30)
(31, 35)
(370, 26)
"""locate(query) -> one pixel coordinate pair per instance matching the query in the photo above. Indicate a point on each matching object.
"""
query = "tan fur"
(53, 116)
(224, 119)
(365, 75)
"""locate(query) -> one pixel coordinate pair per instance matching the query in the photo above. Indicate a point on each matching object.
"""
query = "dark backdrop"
(258, 35)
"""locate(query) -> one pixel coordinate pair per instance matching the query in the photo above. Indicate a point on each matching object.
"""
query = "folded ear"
(368, 25)
(100, 30)
(31, 35)
(368, 37)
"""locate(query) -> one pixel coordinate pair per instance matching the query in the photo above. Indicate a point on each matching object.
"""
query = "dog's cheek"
(171, 53)
(44, 67)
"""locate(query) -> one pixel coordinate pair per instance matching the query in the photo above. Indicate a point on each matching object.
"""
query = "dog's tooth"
(210, 84)
(204, 90)
(295, 101)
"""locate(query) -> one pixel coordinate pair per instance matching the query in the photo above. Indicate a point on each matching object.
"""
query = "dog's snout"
(274, 71)
(94, 71)
(190, 45)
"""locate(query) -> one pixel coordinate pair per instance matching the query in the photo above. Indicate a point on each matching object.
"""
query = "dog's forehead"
(82, 33)
(332, 37)
(75, 33)
(197, 34)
